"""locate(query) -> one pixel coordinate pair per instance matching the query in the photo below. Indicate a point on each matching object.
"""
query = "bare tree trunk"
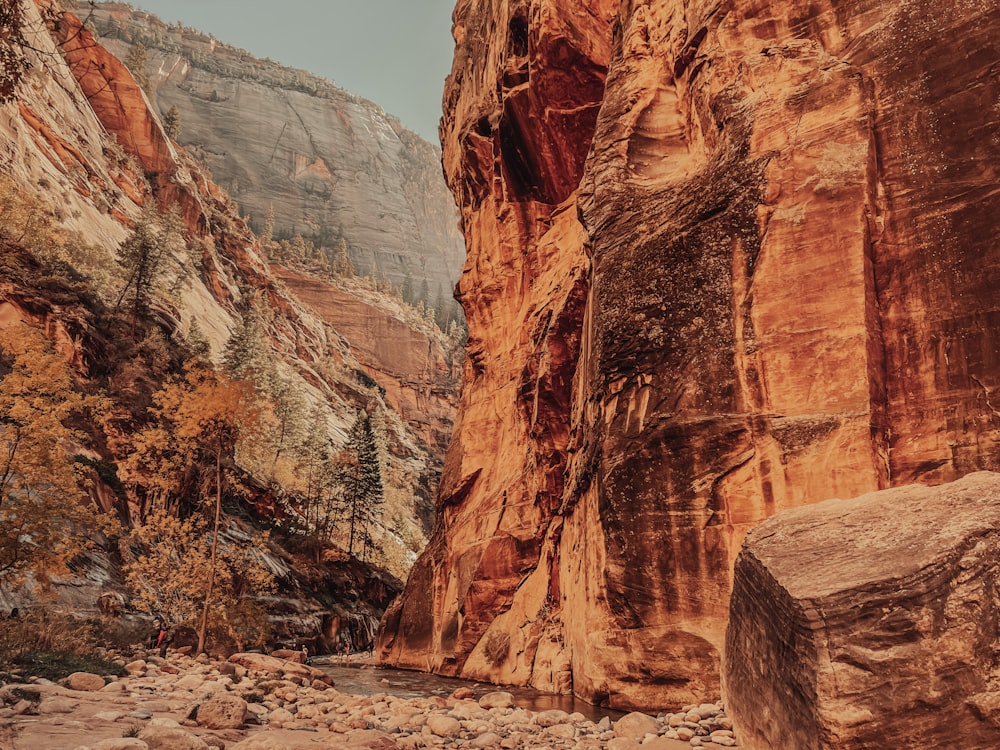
(203, 629)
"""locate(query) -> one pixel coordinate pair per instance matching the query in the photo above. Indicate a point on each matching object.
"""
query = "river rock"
(121, 743)
(636, 725)
(171, 738)
(869, 623)
(280, 717)
(443, 726)
(289, 655)
(57, 705)
(84, 681)
(277, 740)
(137, 667)
(551, 717)
(222, 711)
(275, 666)
(497, 699)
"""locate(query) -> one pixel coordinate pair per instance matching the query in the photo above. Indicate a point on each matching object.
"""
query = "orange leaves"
(45, 516)
(199, 421)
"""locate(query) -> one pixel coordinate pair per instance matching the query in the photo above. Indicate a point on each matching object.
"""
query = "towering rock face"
(329, 164)
(770, 282)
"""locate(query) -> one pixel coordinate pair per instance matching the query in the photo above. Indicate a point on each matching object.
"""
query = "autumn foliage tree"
(172, 560)
(46, 516)
(199, 420)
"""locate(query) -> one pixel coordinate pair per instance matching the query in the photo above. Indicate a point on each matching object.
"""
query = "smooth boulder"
(869, 623)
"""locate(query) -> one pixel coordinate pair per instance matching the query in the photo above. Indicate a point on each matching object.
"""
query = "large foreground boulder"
(870, 623)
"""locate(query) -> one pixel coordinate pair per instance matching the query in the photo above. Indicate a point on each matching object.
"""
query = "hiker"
(154, 636)
(345, 651)
(162, 640)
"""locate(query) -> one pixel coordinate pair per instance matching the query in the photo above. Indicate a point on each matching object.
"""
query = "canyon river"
(365, 679)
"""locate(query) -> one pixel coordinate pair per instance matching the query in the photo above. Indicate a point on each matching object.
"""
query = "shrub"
(497, 647)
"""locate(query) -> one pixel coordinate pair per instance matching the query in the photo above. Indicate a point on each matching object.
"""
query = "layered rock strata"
(869, 623)
(724, 258)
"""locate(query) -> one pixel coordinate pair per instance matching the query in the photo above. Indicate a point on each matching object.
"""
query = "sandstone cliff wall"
(724, 258)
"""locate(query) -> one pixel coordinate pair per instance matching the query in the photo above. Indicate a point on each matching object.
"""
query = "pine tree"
(13, 63)
(319, 469)
(172, 123)
(267, 233)
(143, 258)
(197, 342)
(440, 309)
(248, 355)
(364, 490)
(342, 265)
(408, 288)
(135, 61)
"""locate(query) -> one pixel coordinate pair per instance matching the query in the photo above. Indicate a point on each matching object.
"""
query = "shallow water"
(369, 680)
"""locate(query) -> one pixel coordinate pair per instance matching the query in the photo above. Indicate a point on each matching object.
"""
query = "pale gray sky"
(394, 52)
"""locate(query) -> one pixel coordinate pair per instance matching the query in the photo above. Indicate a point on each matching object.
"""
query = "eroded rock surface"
(752, 271)
(869, 623)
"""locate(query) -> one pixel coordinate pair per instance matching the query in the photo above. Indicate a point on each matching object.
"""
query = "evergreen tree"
(408, 288)
(364, 490)
(172, 123)
(248, 355)
(267, 233)
(143, 257)
(13, 63)
(135, 61)
(440, 309)
(319, 470)
(342, 265)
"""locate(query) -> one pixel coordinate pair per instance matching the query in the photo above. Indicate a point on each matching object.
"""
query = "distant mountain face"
(332, 165)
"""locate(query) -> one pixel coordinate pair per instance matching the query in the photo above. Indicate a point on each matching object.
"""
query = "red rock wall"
(771, 282)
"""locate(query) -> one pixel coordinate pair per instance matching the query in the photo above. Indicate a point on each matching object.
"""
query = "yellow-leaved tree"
(174, 560)
(46, 516)
(199, 420)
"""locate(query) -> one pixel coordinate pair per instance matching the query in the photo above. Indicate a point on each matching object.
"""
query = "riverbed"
(367, 679)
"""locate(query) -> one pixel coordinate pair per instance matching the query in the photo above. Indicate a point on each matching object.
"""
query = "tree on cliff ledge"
(13, 64)
(363, 480)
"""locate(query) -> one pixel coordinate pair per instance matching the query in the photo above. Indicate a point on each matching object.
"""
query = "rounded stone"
(636, 726)
(551, 717)
(84, 681)
(171, 738)
(497, 699)
(443, 726)
(222, 711)
(121, 743)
